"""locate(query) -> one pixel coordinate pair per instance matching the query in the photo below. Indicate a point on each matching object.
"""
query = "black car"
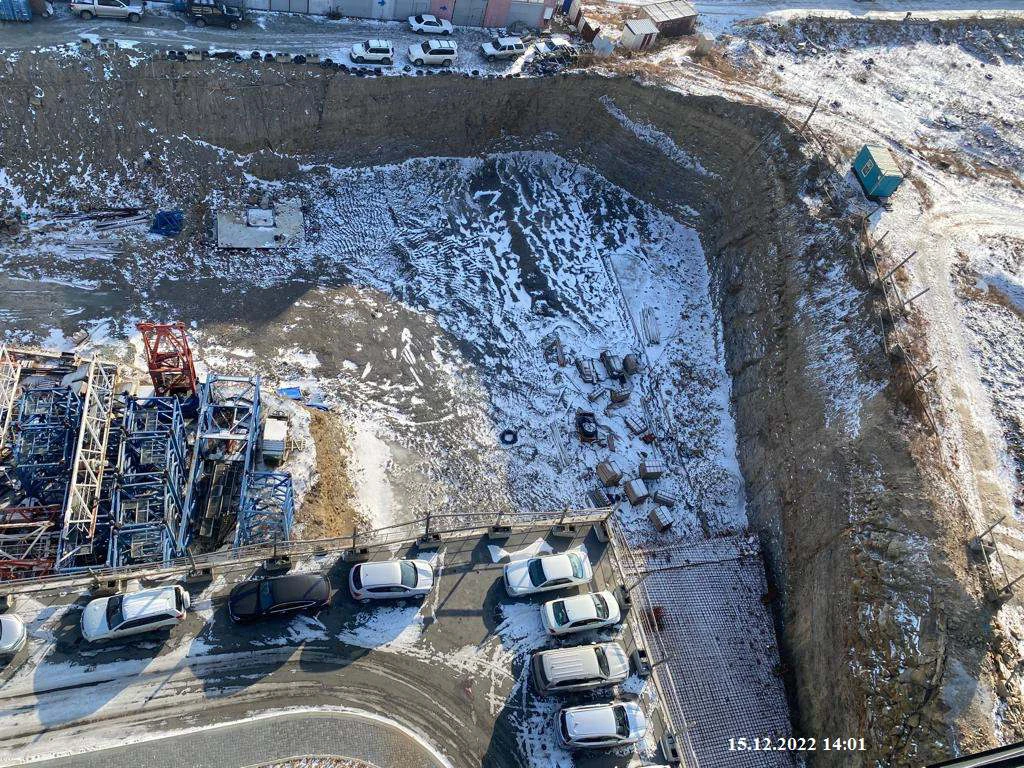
(216, 14)
(279, 596)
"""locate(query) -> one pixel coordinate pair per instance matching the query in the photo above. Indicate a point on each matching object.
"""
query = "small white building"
(638, 34)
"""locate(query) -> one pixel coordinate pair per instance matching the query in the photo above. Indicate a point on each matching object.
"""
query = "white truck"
(109, 9)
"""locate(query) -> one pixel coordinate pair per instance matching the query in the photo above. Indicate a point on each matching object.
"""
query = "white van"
(581, 668)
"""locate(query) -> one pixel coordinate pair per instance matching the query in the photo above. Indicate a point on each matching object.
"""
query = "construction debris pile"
(99, 468)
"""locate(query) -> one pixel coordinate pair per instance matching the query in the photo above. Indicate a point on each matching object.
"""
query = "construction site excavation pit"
(483, 263)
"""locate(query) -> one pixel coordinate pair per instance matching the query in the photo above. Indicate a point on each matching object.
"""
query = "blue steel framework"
(229, 419)
(267, 509)
(148, 502)
(44, 441)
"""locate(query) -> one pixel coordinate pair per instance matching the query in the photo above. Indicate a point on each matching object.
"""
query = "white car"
(555, 47)
(108, 9)
(13, 635)
(432, 51)
(430, 25)
(568, 615)
(602, 726)
(390, 579)
(541, 574)
(134, 613)
(373, 52)
(579, 668)
(503, 48)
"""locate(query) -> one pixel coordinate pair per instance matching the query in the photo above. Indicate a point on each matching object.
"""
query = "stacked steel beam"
(223, 455)
(267, 509)
(45, 428)
(152, 469)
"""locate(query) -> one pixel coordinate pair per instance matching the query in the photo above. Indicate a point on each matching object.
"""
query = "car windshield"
(561, 617)
(357, 577)
(426, 48)
(621, 722)
(602, 661)
(536, 569)
(114, 615)
(408, 574)
(577, 566)
(419, 19)
(601, 606)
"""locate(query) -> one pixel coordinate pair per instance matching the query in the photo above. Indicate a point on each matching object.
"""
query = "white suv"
(108, 9)
(503, 48)
(144, 611)
(432, 51)
(373, 52)
(602, 726)
(430, 25)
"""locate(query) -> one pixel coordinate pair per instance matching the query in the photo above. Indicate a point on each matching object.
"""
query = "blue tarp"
(168, 223)
(293, 393)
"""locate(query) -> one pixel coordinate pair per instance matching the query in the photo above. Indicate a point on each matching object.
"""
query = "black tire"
(387, 61)
(86, 15)
(491, 59)
(447, 62)
(418, 62)
(200, 22)
(357, 59)
(134, 18)
(446, 32)
(233, 25)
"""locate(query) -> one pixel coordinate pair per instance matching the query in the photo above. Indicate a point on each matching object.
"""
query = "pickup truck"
(108, 9)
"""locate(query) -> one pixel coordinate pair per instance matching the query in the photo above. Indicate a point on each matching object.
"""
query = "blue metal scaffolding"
(44, 441)
(222, 458)
(149, 500)
(267, 509)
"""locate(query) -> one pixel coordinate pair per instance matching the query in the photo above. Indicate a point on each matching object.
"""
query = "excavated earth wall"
(851, 524)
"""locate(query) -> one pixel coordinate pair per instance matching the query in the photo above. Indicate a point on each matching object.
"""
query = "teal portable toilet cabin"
(877, 171)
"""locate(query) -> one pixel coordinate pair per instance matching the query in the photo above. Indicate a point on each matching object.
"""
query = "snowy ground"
(436, 289)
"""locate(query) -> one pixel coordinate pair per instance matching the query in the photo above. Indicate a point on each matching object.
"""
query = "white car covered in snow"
(568, 615)
(541, 574)
(602, 726)
(147, 610)
(430, 25)
(390, 580)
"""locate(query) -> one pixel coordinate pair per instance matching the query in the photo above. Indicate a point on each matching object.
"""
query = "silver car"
(13, 635)
(108, 9)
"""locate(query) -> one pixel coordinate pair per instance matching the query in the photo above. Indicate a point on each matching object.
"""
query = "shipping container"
(877, 171)
(15, 10)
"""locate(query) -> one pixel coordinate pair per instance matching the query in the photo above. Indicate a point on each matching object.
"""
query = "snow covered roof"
(641, 26)
(670, 10)
(884, 160)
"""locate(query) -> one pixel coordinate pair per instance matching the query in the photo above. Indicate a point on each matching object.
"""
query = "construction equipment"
(169, 358)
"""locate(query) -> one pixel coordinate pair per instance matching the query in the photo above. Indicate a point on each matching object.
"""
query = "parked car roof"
(147, 602)
(254, 597)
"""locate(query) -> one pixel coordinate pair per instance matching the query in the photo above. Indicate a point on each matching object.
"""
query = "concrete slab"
(260, 228)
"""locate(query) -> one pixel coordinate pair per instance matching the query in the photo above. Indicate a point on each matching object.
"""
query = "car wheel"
(134, 18)
(491, 58)
(85, 15)
(357, 59)
(446, 63)
(200, 22)
(387, 61)
(446, 32)
(418, 62)
(233, 25)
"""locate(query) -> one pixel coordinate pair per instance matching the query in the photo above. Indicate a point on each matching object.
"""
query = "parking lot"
(451, 669)
(163, 29)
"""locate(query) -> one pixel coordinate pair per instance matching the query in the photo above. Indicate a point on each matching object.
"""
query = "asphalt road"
(450, 669)
(162, 29)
